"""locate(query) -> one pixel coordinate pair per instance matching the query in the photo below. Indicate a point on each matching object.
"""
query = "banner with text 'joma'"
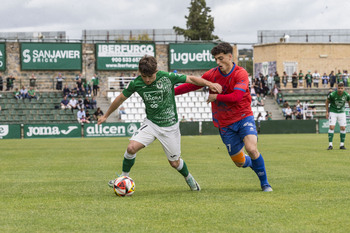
(52, 131)
(51, 56)
(121, 56)
(191, 56)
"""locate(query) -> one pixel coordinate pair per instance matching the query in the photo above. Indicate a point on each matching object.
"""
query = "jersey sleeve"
(175, 77)
(242, 81)
(130, 89)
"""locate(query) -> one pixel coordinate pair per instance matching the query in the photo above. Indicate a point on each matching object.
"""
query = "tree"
(200, 24)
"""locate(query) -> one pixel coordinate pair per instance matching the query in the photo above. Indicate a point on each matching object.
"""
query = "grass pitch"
(60, 185)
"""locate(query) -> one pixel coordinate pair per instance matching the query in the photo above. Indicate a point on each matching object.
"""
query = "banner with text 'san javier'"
(51, 56)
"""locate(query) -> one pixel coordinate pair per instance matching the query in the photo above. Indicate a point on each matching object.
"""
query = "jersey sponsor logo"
(153, 96)
(248, 124)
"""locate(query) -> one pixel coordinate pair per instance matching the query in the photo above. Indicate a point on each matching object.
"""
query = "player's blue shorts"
(232, 135)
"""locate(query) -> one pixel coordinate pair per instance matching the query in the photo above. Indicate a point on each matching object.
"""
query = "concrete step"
(272, 106)
(104, 104)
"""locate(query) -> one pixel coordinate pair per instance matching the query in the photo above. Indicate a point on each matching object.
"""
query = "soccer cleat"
(266, 188)
(330, 148)
(111, 182)
(342, 148)
(194, 186)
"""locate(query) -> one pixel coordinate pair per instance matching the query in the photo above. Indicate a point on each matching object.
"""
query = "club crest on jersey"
(159, 85)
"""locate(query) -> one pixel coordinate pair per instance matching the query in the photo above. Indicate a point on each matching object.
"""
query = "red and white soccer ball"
(124, 186)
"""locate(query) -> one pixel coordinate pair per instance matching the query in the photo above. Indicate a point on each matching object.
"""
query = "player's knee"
(132, 149)
(174, 164)
(252, 151)
(238, 159)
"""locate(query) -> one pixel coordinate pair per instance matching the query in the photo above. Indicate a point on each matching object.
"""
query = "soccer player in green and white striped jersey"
(335, 111)
(156, 88)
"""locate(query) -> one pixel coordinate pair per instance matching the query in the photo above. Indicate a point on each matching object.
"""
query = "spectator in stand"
(277, 80)
(316, 78)
(24, 92)
(284, 107)
(59, 83)
(295, 80)
(79, 76)
(325, 80)
(288, 113)
(88, 116)
(121, 81)
(17, 94)
(75, 91)
(332, 79)
(32, 81)
(98, 114)
(308, 78)
(285, 79)
(87, 103)
(121, 112)
(65, 103)
(73, 103)
(81, 116)
(275, 91)
(270, 83)
(93, 103)
(10, 82)
(32, 94)
(345, 78)
(1, 82)
(260, 101)
(183, 119)
(80, 104)
(279, 97)
(312, 107)
(301, 79)
(66, 91)
(339, 77)
(256, 85)
(95, 80)
(309, 113)
(79, 85)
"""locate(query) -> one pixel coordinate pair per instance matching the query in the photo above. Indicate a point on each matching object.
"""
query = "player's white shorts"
(169, 137)
(340, 117)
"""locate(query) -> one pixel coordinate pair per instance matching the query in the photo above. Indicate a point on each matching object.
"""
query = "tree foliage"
(200, 24)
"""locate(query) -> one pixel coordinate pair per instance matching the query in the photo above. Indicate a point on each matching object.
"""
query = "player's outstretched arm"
(116, 103)
(215, 87)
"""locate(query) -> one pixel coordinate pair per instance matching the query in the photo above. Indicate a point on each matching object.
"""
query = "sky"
(236, 21)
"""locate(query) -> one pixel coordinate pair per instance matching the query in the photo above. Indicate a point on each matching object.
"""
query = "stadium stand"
(43, 111)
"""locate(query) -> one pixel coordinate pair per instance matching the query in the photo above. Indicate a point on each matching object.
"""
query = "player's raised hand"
(215, 87)
(101, 119)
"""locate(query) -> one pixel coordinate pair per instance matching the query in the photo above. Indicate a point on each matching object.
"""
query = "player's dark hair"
(223, 47)
(340, 84)
(148, 65)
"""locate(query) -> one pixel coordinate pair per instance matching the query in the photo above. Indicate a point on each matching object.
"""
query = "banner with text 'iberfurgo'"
(2, 56)
(10, 131)
(110, 129)
(191, 56)
(51, 56)
(122, 56)
(52, 131)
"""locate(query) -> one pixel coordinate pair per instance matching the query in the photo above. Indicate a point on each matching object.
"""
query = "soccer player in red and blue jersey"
(232, 112)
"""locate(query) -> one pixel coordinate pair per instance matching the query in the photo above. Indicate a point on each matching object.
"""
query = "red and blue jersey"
(227, 113)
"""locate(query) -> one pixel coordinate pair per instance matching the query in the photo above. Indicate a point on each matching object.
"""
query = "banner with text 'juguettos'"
(191, 56)
(51, 56)
(2, 56)
(122, 56)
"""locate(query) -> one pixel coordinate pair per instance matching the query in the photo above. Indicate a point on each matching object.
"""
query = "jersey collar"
(225, 75)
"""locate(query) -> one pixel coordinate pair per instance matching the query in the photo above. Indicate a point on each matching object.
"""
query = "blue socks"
(258, 166)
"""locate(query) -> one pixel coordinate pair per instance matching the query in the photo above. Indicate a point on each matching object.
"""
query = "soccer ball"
(124, 186)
